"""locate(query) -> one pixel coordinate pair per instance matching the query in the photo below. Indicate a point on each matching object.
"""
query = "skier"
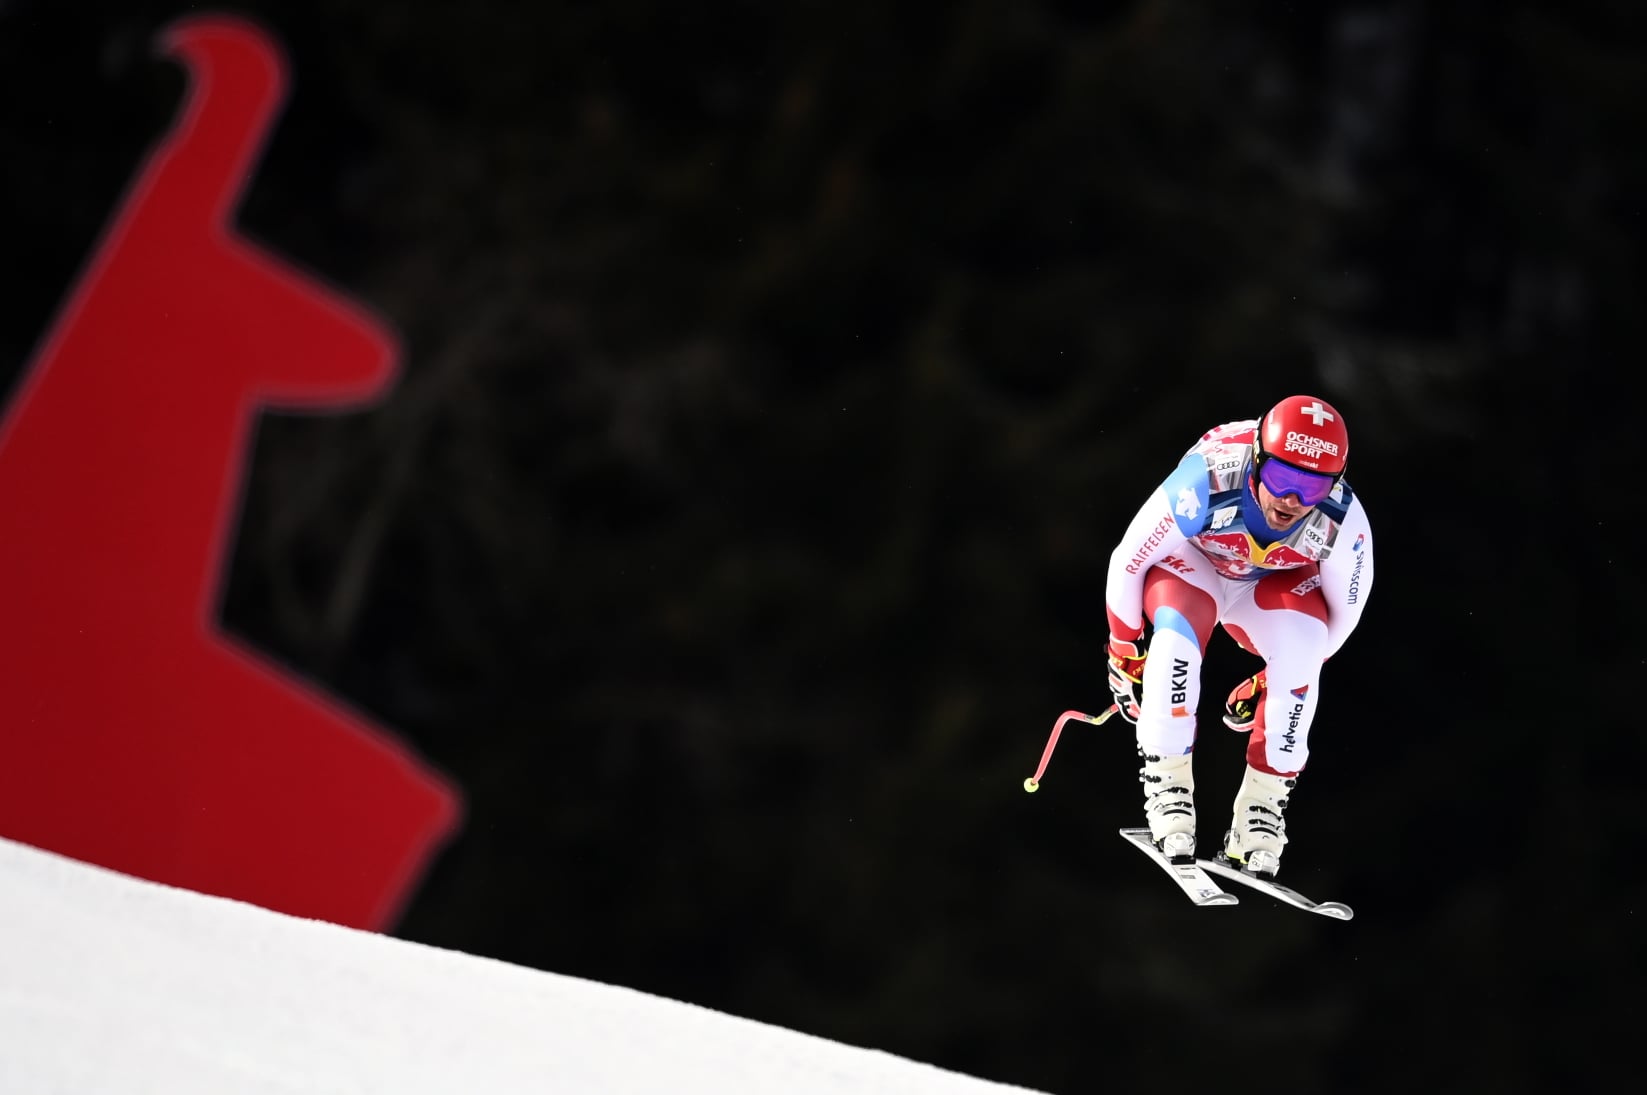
(1256, 531)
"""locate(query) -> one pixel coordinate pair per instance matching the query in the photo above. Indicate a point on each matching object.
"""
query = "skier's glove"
(1126, 673)
(1241, 709)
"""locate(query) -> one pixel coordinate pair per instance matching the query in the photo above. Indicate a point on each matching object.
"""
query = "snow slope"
(111, 984)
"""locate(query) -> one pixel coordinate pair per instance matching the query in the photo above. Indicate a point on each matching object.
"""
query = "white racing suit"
(1199, 555)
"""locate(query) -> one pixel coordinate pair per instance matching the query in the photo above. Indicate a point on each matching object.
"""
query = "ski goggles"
(1282, 479)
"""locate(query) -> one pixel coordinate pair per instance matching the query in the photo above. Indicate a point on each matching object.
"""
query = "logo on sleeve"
(1354, 594)
(1151, 542)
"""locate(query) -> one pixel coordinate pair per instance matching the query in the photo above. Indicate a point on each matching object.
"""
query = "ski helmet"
(1305, 432)
(1301, 434)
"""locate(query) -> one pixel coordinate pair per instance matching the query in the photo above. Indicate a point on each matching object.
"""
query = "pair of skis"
(1195, 879)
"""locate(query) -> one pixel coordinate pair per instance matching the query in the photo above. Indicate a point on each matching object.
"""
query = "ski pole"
(1034, 781)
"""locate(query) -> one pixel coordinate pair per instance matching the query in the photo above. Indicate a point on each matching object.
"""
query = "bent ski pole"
(1034, 781)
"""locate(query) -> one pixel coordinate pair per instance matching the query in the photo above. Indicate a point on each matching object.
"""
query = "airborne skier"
(1257, 531)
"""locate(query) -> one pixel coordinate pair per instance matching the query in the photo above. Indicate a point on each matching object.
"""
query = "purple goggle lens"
(1312, 487)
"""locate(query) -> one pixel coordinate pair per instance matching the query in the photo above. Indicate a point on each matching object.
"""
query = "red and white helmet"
(1305, 432)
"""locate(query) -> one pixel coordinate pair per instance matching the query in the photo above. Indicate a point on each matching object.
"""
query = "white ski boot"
(1258, 830)
(1169, 805)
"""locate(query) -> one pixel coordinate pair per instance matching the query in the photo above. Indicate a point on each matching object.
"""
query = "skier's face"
(1283, 512)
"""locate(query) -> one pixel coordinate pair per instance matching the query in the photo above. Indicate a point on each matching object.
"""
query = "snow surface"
(111, 984)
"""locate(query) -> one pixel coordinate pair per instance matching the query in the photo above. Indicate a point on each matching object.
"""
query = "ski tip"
(1335, 909)
(1220, 899)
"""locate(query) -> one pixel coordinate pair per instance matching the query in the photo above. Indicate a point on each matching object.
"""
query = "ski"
(1195, 882)
(1335, 909)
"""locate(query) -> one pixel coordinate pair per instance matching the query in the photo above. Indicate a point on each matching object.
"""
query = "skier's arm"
(1172, 514)
(1347, 575)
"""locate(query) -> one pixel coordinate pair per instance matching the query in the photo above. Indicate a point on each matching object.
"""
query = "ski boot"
(1169, 805)
(1258, 829)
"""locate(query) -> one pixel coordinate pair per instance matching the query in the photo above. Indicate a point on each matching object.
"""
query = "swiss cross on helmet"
(1300, 448)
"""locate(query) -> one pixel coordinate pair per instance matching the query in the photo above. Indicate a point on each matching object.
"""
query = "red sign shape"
(134, 733)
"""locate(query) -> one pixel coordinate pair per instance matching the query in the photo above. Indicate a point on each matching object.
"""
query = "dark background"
(777, 380)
